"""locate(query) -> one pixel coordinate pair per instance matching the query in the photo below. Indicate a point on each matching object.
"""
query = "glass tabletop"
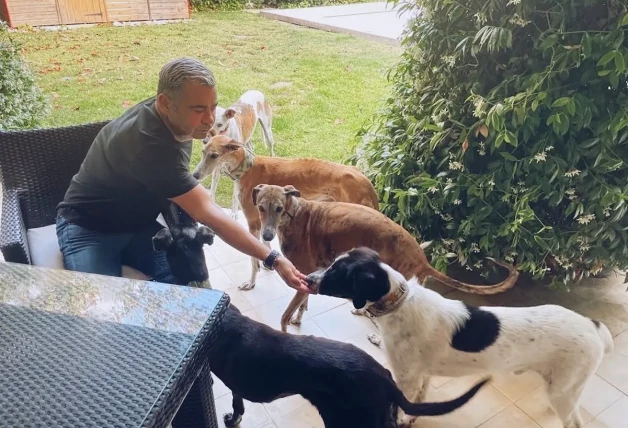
(84, 350)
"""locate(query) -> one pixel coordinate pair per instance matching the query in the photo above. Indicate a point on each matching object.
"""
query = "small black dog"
(260, 364)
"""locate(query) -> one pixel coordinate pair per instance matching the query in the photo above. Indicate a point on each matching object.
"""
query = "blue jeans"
(88, 251)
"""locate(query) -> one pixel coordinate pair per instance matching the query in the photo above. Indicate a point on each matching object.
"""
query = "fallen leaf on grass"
(338, 121)
(74, 47)
(95, 53)
(77, 108)
(127, 103)
(134, 58)
(349, 68)
(264, 48)
(102, 81)
(54, 95)
(465, 145)
(137, 42)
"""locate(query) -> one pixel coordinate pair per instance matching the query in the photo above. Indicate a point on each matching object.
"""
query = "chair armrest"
(13, 242)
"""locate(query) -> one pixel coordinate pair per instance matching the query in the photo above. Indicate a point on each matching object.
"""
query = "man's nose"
(209, 118)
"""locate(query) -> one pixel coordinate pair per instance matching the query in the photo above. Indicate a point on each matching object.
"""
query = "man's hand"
(291, 275)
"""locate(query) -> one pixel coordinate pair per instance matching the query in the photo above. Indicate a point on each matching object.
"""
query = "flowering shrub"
(506, 135)
(22, 104)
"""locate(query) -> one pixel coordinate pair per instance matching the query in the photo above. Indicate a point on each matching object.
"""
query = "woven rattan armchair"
(36, 167)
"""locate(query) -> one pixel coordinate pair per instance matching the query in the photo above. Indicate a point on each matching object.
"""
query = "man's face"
(193, 113)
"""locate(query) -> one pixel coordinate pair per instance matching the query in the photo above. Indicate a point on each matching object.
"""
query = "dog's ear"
(162, 240)
(230, 112)
(256, 191)
(233, 145)
(205, 235)
(290, 190)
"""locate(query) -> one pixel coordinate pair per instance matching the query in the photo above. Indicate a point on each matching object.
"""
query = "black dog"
(260, 364)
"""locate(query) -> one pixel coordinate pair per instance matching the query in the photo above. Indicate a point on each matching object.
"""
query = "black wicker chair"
(36, 167)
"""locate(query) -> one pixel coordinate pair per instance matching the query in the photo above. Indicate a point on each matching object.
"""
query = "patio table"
(85, 350)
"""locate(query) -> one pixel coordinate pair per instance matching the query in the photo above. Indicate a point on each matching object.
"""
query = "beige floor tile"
(304, 417)
(485, 405)
(255, 414)
(340, 324)
(270, 425)
(621, 343)
(438, 381)
(240, 271)
(515, 387)
(536, 405)
(510, 417)
(614, 370)
(279, 408)
(271, 313)
(225, 254)
(237, 299)
(268, 287)
(252, 313)
(220, 280)
(210, 260)
(595, 423)
(616, 416)
(598, 395)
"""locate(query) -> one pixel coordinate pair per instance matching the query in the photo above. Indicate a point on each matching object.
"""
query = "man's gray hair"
(180, 70)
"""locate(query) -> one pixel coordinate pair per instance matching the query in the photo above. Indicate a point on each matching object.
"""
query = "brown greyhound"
(312, 234)
(317, 179)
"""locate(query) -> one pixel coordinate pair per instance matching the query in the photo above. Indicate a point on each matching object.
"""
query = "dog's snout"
(268, 234)
(196, 175)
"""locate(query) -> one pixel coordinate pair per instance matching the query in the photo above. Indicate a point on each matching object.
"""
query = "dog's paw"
(375, 339)
(247, 286)
(231, 420)
(407, 421)
(295, 321)
(359, 312)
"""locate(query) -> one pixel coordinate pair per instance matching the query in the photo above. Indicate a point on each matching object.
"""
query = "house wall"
(32, 12)
(127, 10)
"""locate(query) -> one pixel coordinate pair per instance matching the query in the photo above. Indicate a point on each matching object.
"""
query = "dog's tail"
(435, 409)
(509, 282)
(605, 335)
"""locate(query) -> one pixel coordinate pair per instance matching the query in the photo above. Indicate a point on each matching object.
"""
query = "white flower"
(433, 189)
(584, 247)
(455, 165)
(478, 265)
(450, 60)
(548, 148)
(446, 217)
(586, 219)
(540, 157)
(607, 211)
(509, 259)
(513, 2)
(450, 181)
(457, 202)
(448, 242)
(491, 183)
(572, 172)
(461, 239)
(475, 248)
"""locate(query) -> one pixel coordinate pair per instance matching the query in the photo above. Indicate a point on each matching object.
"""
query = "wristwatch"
(270, 260)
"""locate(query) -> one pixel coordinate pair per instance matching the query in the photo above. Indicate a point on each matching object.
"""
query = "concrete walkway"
(380, 21)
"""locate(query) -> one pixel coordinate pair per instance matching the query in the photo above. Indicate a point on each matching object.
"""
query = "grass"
(322, 86)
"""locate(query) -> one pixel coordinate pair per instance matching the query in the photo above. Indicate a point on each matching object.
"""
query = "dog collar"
(200, 284)
(390, 302)
(245, 165)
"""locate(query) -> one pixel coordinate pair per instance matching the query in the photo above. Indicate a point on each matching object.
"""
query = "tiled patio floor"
(509, 402)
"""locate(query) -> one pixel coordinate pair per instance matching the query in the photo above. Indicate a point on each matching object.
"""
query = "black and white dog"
(426, 334)
(260, 364)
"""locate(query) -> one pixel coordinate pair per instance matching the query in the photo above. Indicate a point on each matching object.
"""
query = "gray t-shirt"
(130, 171)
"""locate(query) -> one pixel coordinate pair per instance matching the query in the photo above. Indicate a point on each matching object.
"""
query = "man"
(137, 163)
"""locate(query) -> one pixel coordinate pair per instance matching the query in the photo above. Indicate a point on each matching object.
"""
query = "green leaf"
(623, 21)
(508, 156)
(561, 102)
(587, 45)
(620, 64)
(571, 107)
(535, 105)
(606, 59)
(603, 73)
(542, 243)
(614, 79)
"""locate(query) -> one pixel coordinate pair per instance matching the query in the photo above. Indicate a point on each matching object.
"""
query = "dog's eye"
(261, 209)
(278, 209)
(214, 155)
(219, 125)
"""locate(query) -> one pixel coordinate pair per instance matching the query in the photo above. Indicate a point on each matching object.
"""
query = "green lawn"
(322, 86)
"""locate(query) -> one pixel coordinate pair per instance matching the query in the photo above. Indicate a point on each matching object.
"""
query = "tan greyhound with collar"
(317, 179)
(312, 234)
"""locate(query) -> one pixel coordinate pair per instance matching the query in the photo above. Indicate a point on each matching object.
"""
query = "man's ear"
(230, 112)
(205, 235)
(233, 145)
(256, 191)
(162, 240)
(290, 190)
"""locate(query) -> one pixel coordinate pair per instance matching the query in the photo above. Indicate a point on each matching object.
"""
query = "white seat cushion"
(44, 249)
